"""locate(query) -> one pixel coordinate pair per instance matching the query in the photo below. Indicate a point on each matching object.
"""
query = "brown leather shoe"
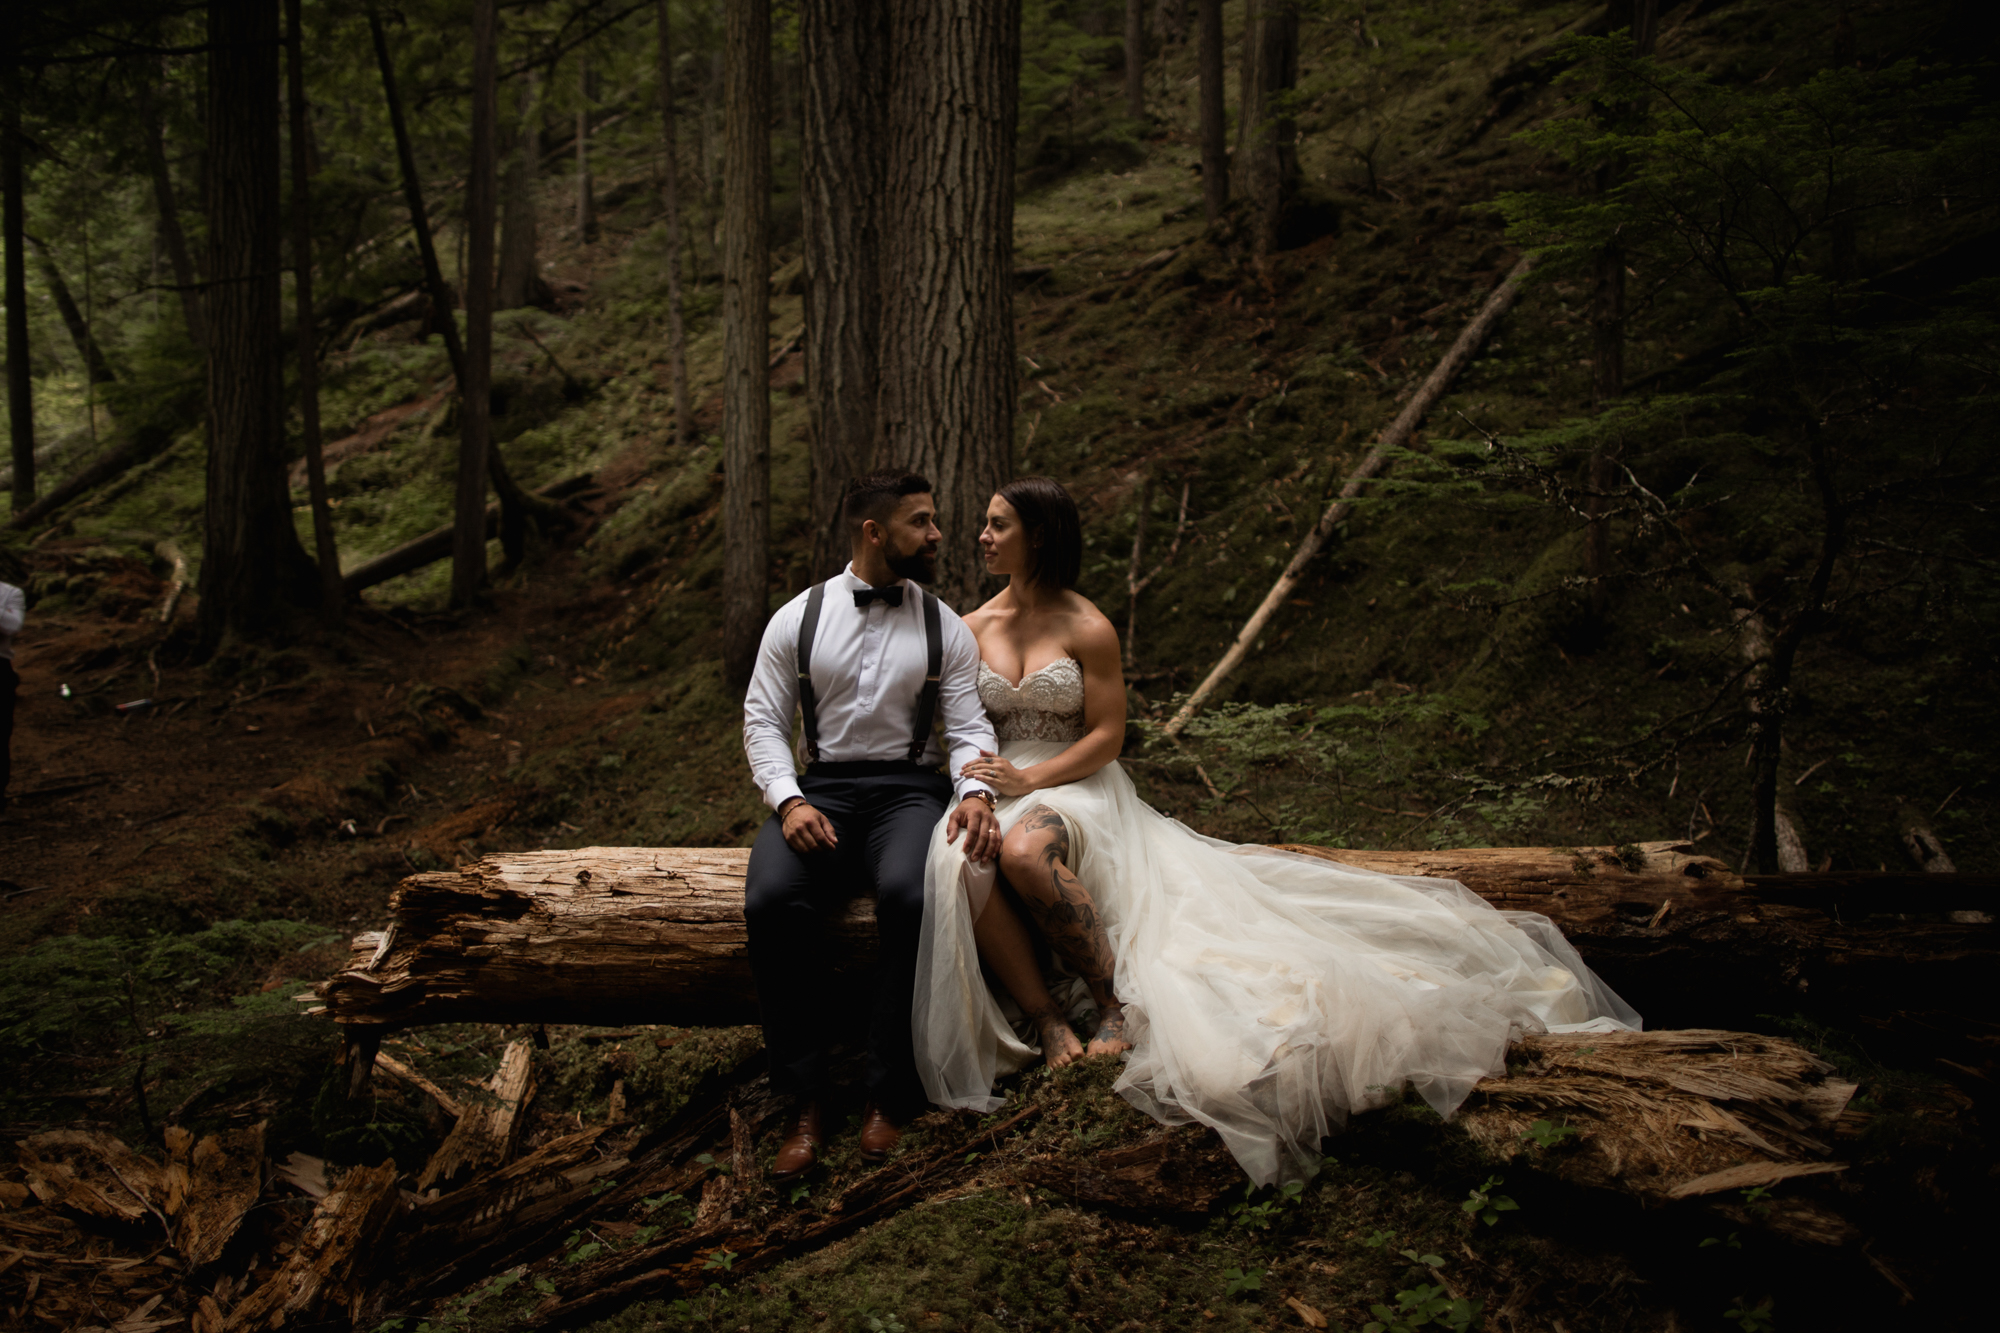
(878, 1133)
(800, 1150)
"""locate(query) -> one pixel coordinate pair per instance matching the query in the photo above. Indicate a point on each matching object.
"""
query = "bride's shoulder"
(1089, 627)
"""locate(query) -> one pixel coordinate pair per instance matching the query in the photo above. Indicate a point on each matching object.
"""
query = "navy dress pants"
(883, 814)
(9, 684)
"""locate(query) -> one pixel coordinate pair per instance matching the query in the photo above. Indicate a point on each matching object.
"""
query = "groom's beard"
(919, 564)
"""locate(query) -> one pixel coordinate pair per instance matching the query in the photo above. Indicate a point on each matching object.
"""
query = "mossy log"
(619, 935)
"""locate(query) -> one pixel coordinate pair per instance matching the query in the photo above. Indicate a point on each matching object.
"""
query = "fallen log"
(435, 545)
(621, 935)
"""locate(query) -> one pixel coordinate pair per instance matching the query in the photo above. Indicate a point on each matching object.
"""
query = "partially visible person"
(13, 611)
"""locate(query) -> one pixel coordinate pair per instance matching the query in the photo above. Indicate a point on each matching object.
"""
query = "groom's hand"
(806, 829)
(981, 827)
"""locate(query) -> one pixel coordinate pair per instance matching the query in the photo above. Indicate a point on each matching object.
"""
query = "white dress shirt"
(868, 667)
(14, 610)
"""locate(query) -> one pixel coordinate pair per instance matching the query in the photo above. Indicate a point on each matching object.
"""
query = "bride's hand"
(999, 774)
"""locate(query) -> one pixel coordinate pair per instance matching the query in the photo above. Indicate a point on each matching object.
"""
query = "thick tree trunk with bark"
(746, 319)
(252, 562)
(96, 365)
(1214, 134)
(20, 374)
(167, 212)
(656, 935)
(475, 414)
(670, 199)
(1269, 136)
(842, 43)
(948, 368)
(520, 278)
(307, 344)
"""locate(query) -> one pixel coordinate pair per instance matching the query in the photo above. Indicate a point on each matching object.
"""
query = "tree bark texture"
(251, 558)
(614, 935)
(520, 279)
(842, 47)
(307, 344)
(1269, 136)
(475, 413)
(1214, 134)
(97, 366)
(746, 319)
(1135, 59)
(670, 199)
(948, 367)
(20, 374)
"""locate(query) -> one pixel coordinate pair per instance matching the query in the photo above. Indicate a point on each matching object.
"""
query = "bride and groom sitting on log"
(1259, 992)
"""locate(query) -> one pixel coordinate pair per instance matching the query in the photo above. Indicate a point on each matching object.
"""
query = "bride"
(1262, 993)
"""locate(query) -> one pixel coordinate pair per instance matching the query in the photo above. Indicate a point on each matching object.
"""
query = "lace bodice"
(1046, 706)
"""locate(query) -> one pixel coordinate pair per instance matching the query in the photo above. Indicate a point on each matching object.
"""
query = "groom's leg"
(906, 809)
(785, 901)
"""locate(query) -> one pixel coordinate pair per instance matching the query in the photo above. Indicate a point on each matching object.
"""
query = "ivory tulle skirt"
(1268, 994)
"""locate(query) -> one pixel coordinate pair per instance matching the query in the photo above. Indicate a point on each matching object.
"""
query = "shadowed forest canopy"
(416, 409)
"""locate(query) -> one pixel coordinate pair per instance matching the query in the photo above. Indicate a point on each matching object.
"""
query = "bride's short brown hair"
(1055, 532)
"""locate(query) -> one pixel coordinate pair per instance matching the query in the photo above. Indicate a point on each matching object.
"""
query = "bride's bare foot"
(1110, 1038)
(1059, 1043)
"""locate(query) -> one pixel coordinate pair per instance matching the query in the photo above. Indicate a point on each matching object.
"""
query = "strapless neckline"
(1017, 688)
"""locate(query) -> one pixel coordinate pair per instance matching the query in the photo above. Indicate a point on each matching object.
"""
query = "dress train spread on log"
(1267, 994)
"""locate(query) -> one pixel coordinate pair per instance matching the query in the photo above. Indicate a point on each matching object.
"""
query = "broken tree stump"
(621, 935)
(489, 1129)
(330, 1267)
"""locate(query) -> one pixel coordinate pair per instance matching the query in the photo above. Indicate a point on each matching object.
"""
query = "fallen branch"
(144, 444)
(1406, 422)
(170, 552)
(435, 545)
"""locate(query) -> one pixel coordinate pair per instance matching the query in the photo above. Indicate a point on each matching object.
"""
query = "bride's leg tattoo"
(1062, 907)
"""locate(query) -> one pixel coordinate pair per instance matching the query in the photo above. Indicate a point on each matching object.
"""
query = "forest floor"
(176, 872)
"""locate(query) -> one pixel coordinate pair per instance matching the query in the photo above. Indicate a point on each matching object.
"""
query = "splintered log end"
(486, 1134)
(330, 1264)
(1666, 1115)
(225, 1176)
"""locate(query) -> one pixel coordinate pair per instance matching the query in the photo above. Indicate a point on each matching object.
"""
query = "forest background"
(1698, 547)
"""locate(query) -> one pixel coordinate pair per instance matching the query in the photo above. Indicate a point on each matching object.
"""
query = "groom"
(871, 660)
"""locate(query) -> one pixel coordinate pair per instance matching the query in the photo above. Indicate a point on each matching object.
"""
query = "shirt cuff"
(966, 787)
(781, 790)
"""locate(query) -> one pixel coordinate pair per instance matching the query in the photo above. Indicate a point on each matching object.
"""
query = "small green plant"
(797, 1193)
(1420, 1306)
(1427, 1260)
(1729, 1240)
(884, 1323)
(1751, 1318)
(1378, 1240)
(1758, 1200)
(723, 1259)
(1242, 1280)
(645, 1234)
(1487, 1206)
(1258, 1216)
(1546, 1134)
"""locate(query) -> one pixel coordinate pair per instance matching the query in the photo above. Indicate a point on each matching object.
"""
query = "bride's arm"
(1103, 721)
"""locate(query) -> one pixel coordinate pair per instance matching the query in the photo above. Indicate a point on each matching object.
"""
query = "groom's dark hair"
(876, 494)
(1055, 532)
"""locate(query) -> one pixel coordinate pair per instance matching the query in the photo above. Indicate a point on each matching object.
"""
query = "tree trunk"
(1214, 135)
(97, 367)
(20, 375)
(947, 360)
(1135, 59)
(172, 239)
(670, 198)
(520, 280)
(842, 44)
(1607, 332)
(307, 343)
(516, 505)
(625, 935)
(746, 320)
(586, 199)
(252, 562)
(475, 416)
(1269, 135)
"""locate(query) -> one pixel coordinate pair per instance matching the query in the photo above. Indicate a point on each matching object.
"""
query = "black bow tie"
(890, 596)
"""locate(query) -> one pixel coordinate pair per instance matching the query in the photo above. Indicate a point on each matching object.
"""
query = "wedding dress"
(1267, 994)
